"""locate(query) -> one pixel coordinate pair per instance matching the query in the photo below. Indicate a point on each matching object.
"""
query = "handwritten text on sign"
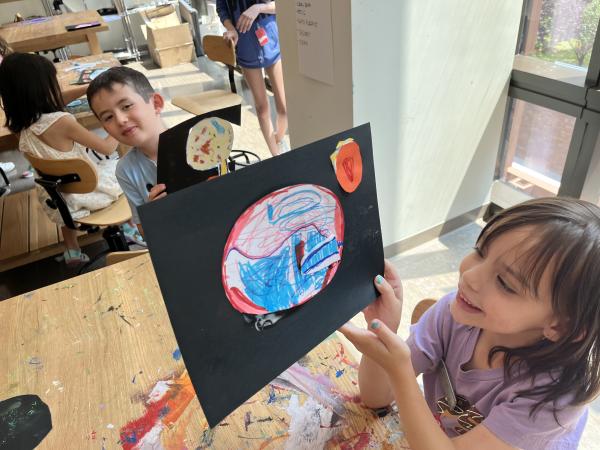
(315, 39)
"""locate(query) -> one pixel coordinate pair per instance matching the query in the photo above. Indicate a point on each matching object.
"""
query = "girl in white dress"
(34, 107)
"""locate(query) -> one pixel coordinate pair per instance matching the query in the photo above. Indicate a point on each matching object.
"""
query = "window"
(552, 119)
(537, 147)
(562, 31)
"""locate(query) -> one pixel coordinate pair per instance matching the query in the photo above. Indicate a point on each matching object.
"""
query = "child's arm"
(75, 131)
(248, 17)
(73, 93)
(375, 389)
(391, 353)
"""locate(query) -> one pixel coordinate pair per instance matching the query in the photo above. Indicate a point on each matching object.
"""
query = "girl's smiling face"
(493, 294)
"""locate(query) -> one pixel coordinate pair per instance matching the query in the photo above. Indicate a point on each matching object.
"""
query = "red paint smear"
(196, 157)
(135, 430)
(206, 147)
(356, 442)
(238, 299)
(341, 355)
(168, 409)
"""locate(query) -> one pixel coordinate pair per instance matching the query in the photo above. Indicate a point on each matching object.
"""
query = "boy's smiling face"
(128, 118)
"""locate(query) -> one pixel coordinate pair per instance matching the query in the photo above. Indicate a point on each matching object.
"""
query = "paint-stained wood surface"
(99, 350)
(50, 33)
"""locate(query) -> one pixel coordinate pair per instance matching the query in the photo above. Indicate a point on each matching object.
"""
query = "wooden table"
(66, 74)
(99, 350)
(49, 33)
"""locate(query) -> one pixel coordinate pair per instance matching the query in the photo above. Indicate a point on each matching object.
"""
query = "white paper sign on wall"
(315, 39)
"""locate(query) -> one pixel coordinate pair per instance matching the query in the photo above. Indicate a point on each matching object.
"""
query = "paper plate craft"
(283, 250)
(172, 167)
(209, 143)
(347, 164)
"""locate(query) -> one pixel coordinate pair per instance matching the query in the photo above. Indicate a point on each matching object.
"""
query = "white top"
(107, 190)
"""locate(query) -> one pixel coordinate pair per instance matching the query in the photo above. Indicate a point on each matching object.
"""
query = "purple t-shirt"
(482, 395)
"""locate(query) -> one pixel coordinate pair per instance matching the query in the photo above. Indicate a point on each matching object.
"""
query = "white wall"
(432, 77)
(317, 110)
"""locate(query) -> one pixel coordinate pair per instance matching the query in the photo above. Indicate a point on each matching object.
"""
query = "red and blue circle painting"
(283, 250)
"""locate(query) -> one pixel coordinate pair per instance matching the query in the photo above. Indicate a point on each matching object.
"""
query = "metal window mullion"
(581, 149)
(545, 101)
(592, 78)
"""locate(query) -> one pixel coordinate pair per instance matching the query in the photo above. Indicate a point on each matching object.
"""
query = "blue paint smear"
(271, 396)
(339, 373)
(177, 354)
(266, 279)
(218, 126)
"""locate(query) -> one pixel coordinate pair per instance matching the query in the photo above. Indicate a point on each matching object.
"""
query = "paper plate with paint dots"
(209, 143)
(282, 251)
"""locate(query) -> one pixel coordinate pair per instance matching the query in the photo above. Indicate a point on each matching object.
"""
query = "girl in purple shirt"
(519, 339)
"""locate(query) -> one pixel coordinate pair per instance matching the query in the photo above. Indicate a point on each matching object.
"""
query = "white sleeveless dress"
(80, 205)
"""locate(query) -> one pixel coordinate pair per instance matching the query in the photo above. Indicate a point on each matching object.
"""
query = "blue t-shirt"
(134, 172)
(484, 396)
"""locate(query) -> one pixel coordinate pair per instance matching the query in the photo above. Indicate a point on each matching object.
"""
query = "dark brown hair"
(28, 88)
(120, 75)
(565, 241)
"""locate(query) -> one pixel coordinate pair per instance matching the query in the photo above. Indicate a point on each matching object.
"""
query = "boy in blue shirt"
(129, 110)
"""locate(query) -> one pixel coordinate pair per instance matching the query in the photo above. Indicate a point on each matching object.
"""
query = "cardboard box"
(169, 41)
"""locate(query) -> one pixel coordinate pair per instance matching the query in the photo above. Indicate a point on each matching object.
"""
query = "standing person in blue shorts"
(252, 29)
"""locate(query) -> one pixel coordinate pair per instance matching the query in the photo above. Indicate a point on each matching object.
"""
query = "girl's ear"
(158, 102)
(554, 330)
(557, 329)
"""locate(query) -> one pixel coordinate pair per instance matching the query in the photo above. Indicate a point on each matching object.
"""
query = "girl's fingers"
(386, 290)
(350, 330)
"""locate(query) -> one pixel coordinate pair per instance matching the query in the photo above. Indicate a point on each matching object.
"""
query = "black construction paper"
(229, 360)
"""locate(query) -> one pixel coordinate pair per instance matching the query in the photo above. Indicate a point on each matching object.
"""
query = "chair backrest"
(420, 309)
(85, 170)
(218, 49)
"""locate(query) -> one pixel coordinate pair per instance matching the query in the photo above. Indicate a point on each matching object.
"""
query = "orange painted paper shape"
(347, 164)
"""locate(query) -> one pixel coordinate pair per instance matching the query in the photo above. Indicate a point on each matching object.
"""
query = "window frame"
(563, 89)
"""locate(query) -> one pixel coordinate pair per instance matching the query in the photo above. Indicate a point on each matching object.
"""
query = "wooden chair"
(420, 308)
(216, 49)
(78, 176)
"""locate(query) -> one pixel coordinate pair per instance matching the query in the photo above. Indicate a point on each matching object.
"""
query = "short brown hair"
(120, 75)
